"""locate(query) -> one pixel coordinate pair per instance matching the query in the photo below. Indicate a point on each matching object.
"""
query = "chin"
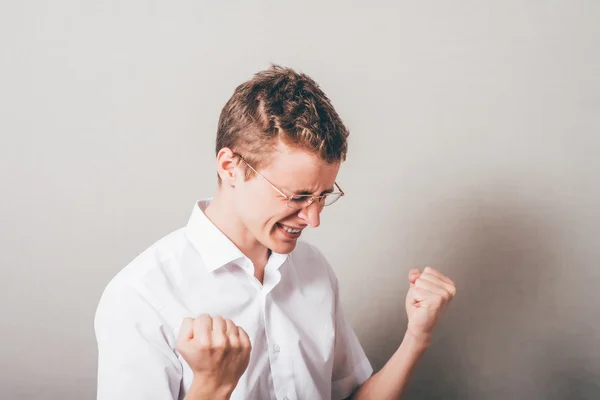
(282, 247)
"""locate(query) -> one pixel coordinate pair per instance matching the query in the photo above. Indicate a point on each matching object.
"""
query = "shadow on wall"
(569, 373)
(501, 337)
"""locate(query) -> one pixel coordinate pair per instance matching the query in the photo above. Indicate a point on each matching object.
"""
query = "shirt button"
(276, 350)
(285, 398)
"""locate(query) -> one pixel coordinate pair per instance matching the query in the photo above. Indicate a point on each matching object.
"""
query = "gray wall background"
(474, 145)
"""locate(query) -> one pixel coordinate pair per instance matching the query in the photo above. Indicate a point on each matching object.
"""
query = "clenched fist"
(218, 353)
(429, 294)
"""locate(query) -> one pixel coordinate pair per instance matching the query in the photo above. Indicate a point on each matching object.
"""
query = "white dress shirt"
(302, 347)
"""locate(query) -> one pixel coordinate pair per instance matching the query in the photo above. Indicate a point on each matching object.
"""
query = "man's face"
(265, 213)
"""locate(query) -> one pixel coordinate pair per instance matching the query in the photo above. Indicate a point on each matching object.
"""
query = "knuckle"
(220, 342)
(231, 325)
(245, 343)
(204, 346)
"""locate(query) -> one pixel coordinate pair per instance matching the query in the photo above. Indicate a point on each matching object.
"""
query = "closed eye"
(299, 198)
(307, 193)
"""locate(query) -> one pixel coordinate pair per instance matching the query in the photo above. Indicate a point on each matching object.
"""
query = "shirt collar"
(216, 249)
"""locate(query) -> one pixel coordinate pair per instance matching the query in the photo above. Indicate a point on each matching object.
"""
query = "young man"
(233, 306)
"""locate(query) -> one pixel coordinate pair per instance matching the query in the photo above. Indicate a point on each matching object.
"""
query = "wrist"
(418, 339)
(206, 388)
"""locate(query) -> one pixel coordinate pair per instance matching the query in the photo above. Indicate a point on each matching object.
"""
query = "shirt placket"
(279, 355)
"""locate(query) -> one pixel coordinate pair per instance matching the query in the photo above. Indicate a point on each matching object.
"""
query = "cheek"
(260, 208)
(249, 196)
(268, 213)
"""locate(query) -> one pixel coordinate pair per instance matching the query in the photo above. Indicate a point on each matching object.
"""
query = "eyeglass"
(299, 201)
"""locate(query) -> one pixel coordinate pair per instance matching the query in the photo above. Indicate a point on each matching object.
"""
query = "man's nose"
(312, 214)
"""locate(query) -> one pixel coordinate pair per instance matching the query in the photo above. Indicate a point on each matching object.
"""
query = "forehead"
(298, 170)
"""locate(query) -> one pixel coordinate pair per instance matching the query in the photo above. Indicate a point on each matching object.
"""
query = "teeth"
(290, 230)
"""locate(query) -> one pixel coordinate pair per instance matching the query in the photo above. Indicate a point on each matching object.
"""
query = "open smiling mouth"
(289, 231)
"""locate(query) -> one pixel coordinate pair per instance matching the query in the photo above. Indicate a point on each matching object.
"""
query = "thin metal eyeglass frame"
(310, 198)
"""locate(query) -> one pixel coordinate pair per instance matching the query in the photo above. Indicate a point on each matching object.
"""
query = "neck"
(222, 213)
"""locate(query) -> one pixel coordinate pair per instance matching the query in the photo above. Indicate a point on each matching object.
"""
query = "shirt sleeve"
(351, 368)
(136, 357)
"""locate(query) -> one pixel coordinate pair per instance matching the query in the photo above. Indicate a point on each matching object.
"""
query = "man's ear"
(226, 163)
